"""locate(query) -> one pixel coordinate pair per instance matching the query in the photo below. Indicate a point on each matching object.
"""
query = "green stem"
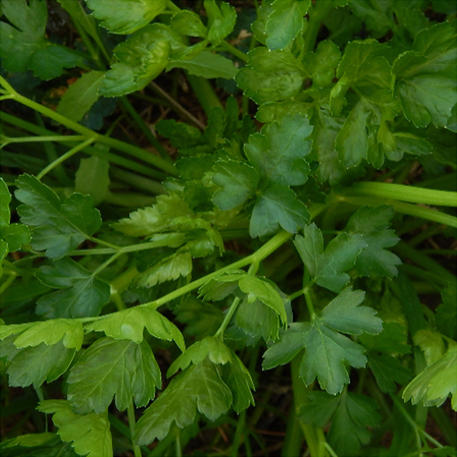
(178, 443)
(227, 318)
(8, 282)
(410, 194)
(113, 158)
(131, 418)
(319, 11)
(63, 157)
(37, 139)
(234, 51)
(137, 181)
(309, 302)
(205, 93)
(239, 434)
(404, 208)
(108, 141)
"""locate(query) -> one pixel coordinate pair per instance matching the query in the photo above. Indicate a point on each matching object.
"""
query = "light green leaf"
(432, 386)
(211, 348)
(113, 368)
(270, 75)
(188, 23)
(58, 225)
(140, 58)
(431, 343)
(425, 76)
(125, 16)
(205, 64)
(263, 291)
(81, 95)
(92, 177)
(129, 324)
(221, 20)
(285, 22)
(51, 332)
(89, 435)
(5, 199)
(168, 269)
(200, 388)
(277, 206)
(35, 365)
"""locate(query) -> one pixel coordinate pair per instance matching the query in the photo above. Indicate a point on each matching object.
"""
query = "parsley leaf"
(327, 351)
(270, 75)
(58, 225)
(79, 292)
(89, 434)
(200, 388)
(221, 20)
(23, 46)
(372, 224)
(113, 368)
(125, 16)
(425, 76)
(37, 364)
(129, 324)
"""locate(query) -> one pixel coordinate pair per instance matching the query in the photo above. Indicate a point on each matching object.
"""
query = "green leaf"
(205, 64)
(352, 422)
(277, 206)
(35, 365)
(357, 135)
(221, 20)
(58, 225)
(388, 371)
(139, 59)
(129, 324)
(270, 75)
(188, 23)
(310, 247)
(80, 293)
(278, 152)
(257, 320)
(431, 343)
(327, 351)
(81, 95)
(446, 313)
(168, 269)
(48, 332)
(200, 388)
(36, 445)
(344, 314)
(373, 224)
(365, 68)
(5, 199)
(318, 408)
(425, 76)
(23, 46)
(339, 256)
(113, 368)
(285, 22)
(321, 65)
(236, 181)
(92, 178)
(168, 213)
(239, 380)
(211, 348)
(432, 386)
(125, 16)
(262, 290)
(89, 435)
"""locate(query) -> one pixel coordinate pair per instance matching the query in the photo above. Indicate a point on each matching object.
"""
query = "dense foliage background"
(228, 228)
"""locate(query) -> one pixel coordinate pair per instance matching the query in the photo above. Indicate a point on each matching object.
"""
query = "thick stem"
(131, 418)
(401, 192)
(205, 93)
